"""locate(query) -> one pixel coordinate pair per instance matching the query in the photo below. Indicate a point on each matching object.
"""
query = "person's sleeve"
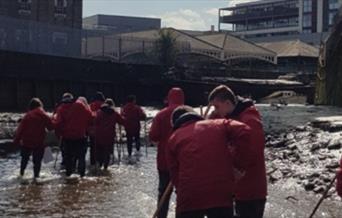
(239, 136)
(19, 132)
(257, 135)
(123, 111)
(90, 116)
(155, 131)
(339, 181)
(58, 120)
(120, 119)
(171, 160)
(49, 124)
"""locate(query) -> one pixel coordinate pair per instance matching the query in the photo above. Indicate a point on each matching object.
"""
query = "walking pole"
(201, 110)
(113, 153)
(146, 140)
(167, 193)
(121, 141)
(323, 197)
(207, 111)
(59, 148)
(117, 148)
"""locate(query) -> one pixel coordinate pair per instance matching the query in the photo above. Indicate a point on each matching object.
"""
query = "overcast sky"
(181, 14)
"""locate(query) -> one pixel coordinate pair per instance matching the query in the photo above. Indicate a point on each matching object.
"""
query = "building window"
(307, 6)
(3, 36)
(24, 7)
(60, 38)
(240, 27)
(334, 4)
(24, 1)
(240, 11)
(23, 35)
(307, 31)
(61, 3)
(307, 20)
(331, 18)
(60, 7)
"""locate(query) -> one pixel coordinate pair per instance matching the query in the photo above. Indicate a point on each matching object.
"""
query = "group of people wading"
(74, 121)
(214, 161)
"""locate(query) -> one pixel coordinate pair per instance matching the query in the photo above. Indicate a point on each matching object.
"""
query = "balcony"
(251, 14)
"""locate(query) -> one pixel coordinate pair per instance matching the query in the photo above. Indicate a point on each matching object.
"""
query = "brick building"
(41, 26)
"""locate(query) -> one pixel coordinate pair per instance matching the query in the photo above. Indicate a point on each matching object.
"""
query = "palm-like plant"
(166, 49)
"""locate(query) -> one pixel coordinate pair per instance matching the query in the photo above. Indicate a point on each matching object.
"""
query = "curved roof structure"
(234, 47)
(294, 48)
(220, 46)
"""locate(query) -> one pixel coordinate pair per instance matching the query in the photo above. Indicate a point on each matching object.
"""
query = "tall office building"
(267, 18)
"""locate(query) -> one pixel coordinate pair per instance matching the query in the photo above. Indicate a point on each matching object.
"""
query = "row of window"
(262, 8)
(334, 4)
(307, 19)
(307, 5)
(58, 3)
(60, 7)
(22, 35)
(278, 23)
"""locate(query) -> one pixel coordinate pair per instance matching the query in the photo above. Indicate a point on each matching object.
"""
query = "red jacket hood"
(175, 97)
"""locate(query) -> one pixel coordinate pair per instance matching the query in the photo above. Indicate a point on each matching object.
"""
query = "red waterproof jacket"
(96, 105)
(104, 124)
(32, 129)
(62, 107)
(339, 180)
(133, 114)
(200, 162)
(74, 120)
(161, 128)
(253, 185)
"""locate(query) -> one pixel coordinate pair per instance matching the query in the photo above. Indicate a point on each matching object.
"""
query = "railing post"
(103, 46)
(143, 47)
(119, 55)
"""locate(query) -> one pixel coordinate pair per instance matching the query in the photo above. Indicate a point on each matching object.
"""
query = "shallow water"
(131, 190)
(125, 191)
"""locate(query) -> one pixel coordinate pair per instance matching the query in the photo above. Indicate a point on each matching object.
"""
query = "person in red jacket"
(95, 105)
(97, 102)
(200, 163)
(74, 121)
(66, 102)
(30, 136)
(133, 114)
(159, 134)
(251, 189)
(339, 180)
(105, 121)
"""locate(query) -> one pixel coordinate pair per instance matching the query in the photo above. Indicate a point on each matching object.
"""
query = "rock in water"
(334, 143)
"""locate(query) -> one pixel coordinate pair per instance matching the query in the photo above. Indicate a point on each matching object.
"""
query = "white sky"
(181, 14)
